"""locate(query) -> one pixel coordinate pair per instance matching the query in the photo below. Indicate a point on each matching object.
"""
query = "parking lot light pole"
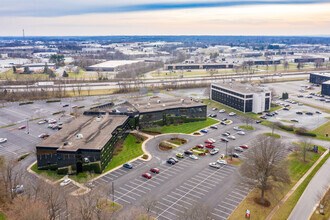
(226, 148)
(27, 126)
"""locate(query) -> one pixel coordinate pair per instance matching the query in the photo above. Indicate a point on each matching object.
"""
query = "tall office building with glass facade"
(243, 97)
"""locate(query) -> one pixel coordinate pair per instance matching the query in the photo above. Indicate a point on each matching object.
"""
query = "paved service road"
(312, 194)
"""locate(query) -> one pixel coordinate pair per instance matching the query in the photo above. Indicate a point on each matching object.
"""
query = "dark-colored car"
(223, 123)
(154, 170)
(286, 109)
(128, 165)
(224, 139)
(224, 119)
(170, 161)
(234, 155)
(66, 105)
(263, 117)
(188, 152)
(309, 113)
(299, 113)
(258, 122)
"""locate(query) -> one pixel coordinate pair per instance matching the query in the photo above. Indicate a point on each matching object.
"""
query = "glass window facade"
(227, 99)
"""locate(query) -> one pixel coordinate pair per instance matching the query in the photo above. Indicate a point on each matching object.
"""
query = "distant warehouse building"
(323, 79)
(85, 144)
(193, 66)
(309, 60)
(245, 98)
(112, 65)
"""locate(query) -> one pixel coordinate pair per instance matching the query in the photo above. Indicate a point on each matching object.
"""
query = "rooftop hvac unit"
(158, 101)
(182, 100)
(148, 104)
(98, 119)
(79, 136)
(163, 105)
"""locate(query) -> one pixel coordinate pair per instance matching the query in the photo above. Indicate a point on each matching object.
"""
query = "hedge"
(62, 171)
(25, 103)
(50, 101)
(305, 133)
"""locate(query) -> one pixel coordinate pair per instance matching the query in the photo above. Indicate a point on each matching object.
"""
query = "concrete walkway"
(312, 194)
(272, 213)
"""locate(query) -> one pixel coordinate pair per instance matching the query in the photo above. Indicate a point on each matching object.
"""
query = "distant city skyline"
(180, 17)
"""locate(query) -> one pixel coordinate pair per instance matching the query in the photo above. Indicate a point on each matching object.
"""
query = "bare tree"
(24, 209)
(247, 120)
(305, 147)
(149, 205)
(264, 164)
(53, 200)
(197, 212)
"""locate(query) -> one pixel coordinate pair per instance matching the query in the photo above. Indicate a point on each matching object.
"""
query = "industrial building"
(193, 66)
(323, 79)
(112, 65)
(243, 97)
(84, 144)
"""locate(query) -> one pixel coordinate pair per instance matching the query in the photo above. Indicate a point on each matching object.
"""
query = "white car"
(18, 189)
(239, 149)
(194, 157)
(42, 122)
(211, 139)
(65, 182)
(214, 165)
(241, 132)
(237, 129)
(232, 137)
(232, 114)
(222, 111)
(214, 151)
(220, 161)
(3, 140)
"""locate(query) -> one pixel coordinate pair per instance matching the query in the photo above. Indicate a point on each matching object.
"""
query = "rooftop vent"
(158, 101)
(182, 100)
(163, 105)
(148, 104)
(98, 119)
(79, 136)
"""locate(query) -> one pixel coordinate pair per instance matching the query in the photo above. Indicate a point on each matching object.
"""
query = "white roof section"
(115, 63)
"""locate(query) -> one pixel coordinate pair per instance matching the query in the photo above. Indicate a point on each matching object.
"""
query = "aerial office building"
(243, 97)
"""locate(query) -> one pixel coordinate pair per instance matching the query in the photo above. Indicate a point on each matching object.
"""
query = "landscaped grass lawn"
(326, 209)
(130, 150)
(272, 135)
(297, 169)
(323, 129)
(247, 127)
(185, 128)
(2, 216)
(49, 174)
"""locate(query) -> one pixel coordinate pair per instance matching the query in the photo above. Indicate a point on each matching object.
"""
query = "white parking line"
(219, 216)
(232, 200)
(134, 188)
(238, 194)
(213, 185)
(240, 190)
(188, 184)
(230, 196)
(123, 200)
(181, 200)
(218, 210)
(229, 204)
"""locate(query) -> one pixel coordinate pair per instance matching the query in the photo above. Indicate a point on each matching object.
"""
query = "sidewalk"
(272, 213)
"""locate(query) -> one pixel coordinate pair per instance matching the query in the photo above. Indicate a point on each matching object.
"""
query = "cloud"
(57, 8)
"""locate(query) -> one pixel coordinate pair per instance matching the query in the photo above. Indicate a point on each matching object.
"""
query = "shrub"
(25, 103)
(62, 170)
(23, 157)
(50, 101)
(145, 156)
(304, 132)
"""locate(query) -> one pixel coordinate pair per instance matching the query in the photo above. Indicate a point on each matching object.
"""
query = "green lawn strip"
(49, 174)
(60, 112)
(326, 208)
(25, 103)
(272, 135)
(2, 216)
(5, 126)
(297, 169)
(33, 119)
(247, 127)
(176, 142)
(108, 206)
(323, 129)
(185, 128)
(275, 107)
(288, 205)
(23, 157)
(4, 106)
(130, 150)
(77, 100)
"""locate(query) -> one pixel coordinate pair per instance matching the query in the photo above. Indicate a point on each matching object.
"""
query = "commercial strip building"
(84, 144)
(243, 97)
(112, 65)
(194, 66)
(323, 79)
(87, 142)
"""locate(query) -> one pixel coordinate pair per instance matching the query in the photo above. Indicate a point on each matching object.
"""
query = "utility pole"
(113, 193)
(226, 148)
(27, 126)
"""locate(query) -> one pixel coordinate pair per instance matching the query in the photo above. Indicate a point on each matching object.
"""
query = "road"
(312, 194)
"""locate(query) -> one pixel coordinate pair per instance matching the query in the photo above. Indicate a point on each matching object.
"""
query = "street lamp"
(226, 148)
(27, 126)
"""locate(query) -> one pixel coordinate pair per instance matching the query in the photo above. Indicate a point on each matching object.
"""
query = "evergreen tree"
(65, 74)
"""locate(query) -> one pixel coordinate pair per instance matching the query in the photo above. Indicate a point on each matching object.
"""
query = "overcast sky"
(164, 17)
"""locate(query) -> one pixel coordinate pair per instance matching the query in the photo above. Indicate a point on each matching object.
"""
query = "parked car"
(223, 123)
(237, 129)
(225, 134)
(42, 122)
(18, 189)
(208, 142)
(75, 106)
(214, 165)
(22, 127)
(194, 157)
(154, 170)
(212, 140)
(286, 109)
(90, 185)
(232, 114)
(200, 145)
(188, 152)
(258, 122)
(147, 175)
(210, 146)
(241, 132)
(263, 117)
(179, 155)
(224, 119)
(43, 135)
(213, 115)
(309, 113)
(173, 158)
(214, 127)
(299, 113)
(128, 165)
(52, 121)
(220, 161)
(244, 146)
(170, 161)
(214, 109)
(214, 151)
(234, 155)
(232, 137)
(222, 111)
(224, 139)
(65, 182)
(317, 112)
(294, 120)
(239, 149)
(66, 105)
(204, 131)
(3, 140)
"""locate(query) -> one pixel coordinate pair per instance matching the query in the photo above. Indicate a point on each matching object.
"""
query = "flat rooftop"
(322, 74)
(115, 63)
(156, 104)
(95, 134)
(242, 88)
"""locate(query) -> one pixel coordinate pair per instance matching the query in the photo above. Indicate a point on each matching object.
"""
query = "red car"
(208, 142)
(22, 127)
(147, 175)
(210, 146)
(154, 170)
(244, 146)
(200, 145)
(75, 106)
